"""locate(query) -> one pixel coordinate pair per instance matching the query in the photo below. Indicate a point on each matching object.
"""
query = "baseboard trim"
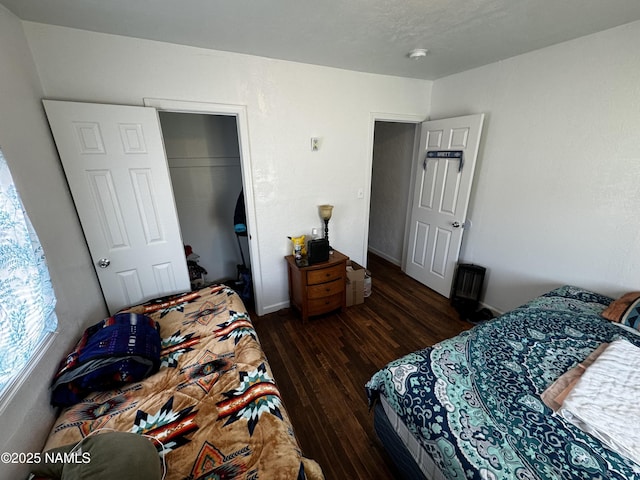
(388, 258)
(497, 312)
(274, 308)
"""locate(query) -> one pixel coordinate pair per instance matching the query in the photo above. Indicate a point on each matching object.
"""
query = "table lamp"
(325, 214)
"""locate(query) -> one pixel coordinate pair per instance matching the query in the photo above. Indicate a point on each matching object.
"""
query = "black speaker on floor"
(467, 288)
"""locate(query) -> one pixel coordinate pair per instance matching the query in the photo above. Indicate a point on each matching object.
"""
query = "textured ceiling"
(364, 35)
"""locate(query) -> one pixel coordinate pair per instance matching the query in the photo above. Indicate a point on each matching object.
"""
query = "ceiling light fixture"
(418, 53)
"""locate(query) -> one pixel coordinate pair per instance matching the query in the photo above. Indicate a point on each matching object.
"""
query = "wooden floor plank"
(321, 366)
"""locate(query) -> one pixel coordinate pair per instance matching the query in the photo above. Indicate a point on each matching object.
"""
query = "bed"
(212, 410)
(471, 407)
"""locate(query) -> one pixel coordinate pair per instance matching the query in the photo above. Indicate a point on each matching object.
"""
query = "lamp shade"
(325, 211)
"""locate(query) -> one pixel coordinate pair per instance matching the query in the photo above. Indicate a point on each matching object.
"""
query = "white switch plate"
(315, 144)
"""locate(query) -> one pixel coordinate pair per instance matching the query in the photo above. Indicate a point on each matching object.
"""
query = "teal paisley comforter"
(473, 401)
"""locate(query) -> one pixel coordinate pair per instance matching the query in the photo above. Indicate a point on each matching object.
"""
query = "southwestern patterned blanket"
(473, 401)
(213, 408)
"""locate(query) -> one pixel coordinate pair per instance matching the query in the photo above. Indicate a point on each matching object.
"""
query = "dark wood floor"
(321, 367)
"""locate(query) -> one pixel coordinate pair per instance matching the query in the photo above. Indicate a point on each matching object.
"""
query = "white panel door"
(440, 199)
(114, 160)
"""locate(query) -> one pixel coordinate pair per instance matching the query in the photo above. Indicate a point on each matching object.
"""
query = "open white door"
(114, 160)
(440, 198)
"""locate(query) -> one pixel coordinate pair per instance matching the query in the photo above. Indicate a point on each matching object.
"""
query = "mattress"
(473, 401)
(213, 410)
(405, 449)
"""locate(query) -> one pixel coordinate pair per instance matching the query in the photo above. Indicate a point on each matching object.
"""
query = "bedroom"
(555, 196)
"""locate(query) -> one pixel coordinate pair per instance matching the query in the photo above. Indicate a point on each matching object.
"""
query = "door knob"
(104, 262)
(455, 224)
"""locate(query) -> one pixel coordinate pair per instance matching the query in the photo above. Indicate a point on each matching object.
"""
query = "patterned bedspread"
(473, 401)
(213, 405)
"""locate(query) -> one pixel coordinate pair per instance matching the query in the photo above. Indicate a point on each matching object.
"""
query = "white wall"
(287, 103)
(556, 198)
(204, 163)
(390, 185)
(32, 158)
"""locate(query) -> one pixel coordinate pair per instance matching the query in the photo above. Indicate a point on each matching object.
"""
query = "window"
(27, 300)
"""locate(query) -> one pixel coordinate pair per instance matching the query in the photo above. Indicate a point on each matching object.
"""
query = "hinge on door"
(444, 154)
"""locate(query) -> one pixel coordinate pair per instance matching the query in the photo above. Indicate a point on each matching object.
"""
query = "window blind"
(27, 299)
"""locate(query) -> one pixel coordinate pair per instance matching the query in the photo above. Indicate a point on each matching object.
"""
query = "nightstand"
(318, 288)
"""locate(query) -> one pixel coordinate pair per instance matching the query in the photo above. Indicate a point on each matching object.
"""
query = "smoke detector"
(418, 53)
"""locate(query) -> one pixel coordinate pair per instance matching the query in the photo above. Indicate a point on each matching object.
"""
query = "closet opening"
(204, 159)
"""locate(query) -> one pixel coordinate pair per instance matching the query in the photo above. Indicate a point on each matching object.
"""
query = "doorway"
(204, 164)
(239, 113)
(392, 159)
(440, 188)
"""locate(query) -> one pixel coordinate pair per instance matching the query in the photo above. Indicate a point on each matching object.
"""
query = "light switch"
(315, 144)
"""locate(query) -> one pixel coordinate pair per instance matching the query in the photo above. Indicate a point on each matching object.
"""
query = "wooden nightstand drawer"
(318, 288)
(326, 304)
(325, 289)
(325, 275)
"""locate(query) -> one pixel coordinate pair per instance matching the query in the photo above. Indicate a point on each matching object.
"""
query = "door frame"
(240, 114)
(397, 118)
